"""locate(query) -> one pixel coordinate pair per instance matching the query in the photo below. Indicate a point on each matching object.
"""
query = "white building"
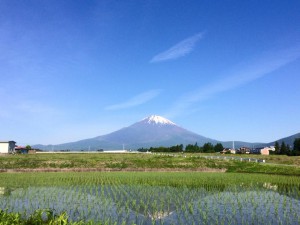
(116, 151)
(232, 151)
(7, 146)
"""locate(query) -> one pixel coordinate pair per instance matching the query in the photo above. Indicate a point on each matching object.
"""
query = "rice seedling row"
(154, 198)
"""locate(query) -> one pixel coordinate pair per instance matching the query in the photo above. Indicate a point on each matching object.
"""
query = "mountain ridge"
(152, 131)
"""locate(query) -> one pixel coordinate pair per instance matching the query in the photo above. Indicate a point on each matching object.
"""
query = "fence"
(216, 157)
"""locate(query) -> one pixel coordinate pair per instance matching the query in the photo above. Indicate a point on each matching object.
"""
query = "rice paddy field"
(152, 197)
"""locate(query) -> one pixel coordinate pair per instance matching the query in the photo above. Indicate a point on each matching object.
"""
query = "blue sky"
(70, 70)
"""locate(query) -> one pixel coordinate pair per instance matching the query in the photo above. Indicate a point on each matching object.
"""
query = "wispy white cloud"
(36, 108)
(136, 100)
(241, 75)
(22, 111)
(179, 50)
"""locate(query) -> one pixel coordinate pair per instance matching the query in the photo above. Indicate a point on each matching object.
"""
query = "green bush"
(39, 217)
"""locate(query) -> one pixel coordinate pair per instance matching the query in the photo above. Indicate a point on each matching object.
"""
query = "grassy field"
(283, 165)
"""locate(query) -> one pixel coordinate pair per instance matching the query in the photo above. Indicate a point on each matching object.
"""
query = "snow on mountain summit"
(158, 120)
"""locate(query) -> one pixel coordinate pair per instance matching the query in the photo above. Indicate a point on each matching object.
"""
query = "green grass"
(39, 217)
(283, 165)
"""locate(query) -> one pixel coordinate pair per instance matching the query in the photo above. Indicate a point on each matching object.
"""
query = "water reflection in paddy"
(142, 204)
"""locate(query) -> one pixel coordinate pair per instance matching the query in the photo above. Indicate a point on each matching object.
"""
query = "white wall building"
(232, 151)
(7, 146)
(116, 151)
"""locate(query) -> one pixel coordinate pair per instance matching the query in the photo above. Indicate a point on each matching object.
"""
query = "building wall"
(264, 151)
(7, 146)
(4, 147)
(232, 151)
(11, 147)
(115, 151)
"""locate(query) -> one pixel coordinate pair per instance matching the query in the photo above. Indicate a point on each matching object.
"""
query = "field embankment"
(146, 162)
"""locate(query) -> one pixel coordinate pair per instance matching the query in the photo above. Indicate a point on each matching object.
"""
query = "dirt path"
(111, 170)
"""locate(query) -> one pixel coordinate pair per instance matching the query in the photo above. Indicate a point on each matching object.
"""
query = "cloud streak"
(241, 75)
(136, 100)
(179, 50)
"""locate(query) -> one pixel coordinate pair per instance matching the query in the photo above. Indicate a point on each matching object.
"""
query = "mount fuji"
(153, 131)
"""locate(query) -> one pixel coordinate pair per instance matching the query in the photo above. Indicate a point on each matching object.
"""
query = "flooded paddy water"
(265, 203)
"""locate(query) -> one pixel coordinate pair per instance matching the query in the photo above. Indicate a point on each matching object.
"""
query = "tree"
(208, 147)
(283, 149)
(28, 147)
(143, 150)
(288, 149)
(218, 147)
(192, 148)
(297, 144)
(189, 148)
(277, 148)
(177, 148)
(296, 148)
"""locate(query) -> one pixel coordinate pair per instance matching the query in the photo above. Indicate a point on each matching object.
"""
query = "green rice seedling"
(116, 200)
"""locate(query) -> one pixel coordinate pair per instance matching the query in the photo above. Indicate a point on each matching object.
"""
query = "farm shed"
(21, 150)
(7, 146)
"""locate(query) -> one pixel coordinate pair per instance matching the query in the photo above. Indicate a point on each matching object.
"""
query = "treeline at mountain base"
(280, 149)
(284, 149)
(206, 148)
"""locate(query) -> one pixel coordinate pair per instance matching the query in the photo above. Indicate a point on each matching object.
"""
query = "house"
(228, 150)
(7, 146)
(265, 151)
(232, 151)
(262, 150)
(21, 150)
(225, 151)
(243, 150)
